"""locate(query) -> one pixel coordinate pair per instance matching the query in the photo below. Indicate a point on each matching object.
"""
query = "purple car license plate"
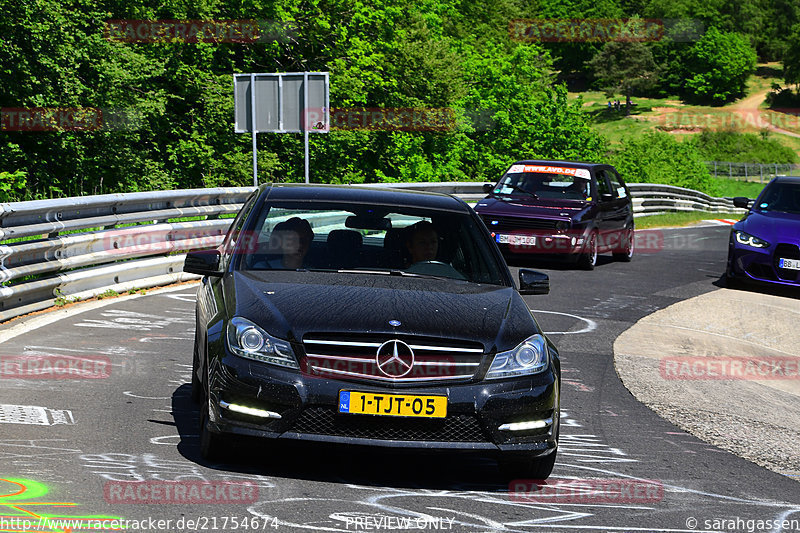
(790, 264)
(529, 240)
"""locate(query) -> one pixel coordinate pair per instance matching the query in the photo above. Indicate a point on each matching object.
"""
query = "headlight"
(245, 339)
(749, 240)
(530, 357)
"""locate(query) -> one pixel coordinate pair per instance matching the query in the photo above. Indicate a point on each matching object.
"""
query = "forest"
(88, 108)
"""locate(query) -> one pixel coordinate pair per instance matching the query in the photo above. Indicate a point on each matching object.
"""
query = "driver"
(291, 240)
(422, 242)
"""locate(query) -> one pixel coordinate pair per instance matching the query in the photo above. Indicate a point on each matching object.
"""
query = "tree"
(719, 65)
(791, 59)
(624, 67)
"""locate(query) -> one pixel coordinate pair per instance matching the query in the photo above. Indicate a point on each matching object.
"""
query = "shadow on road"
(551, 262)
(758, 287)
(340, 463)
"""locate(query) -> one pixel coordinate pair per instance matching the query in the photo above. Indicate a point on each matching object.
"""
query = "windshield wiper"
(390, 272)
(520, 189)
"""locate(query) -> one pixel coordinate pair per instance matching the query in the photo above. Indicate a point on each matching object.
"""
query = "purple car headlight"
(750, 240)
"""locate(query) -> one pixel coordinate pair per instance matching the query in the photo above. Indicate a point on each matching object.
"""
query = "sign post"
(281, 103)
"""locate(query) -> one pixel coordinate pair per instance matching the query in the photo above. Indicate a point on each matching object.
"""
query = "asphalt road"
(67, 445)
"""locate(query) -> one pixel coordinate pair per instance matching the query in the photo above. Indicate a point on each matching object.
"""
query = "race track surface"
(66, 446)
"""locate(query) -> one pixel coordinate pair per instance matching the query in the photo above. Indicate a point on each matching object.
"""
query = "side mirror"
(203, 262)
(487, 187)
(741, 201)
(533, 282)
(606, 197)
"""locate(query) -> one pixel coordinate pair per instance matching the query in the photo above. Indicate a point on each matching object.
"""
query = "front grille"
(786, 251)
(324, 421)
(761, 271)
(355, 356)
(517, 223)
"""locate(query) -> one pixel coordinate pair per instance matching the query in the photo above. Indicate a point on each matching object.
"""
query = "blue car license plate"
(790, 264)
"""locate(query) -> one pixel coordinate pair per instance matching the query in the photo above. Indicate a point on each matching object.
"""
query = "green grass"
(676, 220)
(730, 188)
(648, 114)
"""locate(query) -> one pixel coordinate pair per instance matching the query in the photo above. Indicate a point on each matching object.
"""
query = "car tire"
(212, 445)
(538, 468)
(588, 259)
(732, 281)
(626, 255)
(197, 386)
(514, 466)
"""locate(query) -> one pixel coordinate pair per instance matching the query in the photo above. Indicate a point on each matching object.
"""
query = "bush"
(12, 185)
(742, 147)
(659, 158)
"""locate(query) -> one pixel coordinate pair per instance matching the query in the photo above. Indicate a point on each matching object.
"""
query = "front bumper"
(308, 410)
(761, 264)
(556, 244)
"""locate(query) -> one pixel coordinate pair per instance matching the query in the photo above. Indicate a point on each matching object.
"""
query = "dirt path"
(751, 102)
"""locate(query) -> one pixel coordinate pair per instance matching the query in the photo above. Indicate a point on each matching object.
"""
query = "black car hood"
(289, 304)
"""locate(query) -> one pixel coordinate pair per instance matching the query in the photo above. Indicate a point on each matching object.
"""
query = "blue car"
(765, 245)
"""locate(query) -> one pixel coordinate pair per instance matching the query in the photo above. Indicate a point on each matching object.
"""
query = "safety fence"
(756, 172)
(76, 248)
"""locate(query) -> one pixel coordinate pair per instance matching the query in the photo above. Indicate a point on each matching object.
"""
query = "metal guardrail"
(655, 199)
(81, 247)
(756, 172)
(77, 248)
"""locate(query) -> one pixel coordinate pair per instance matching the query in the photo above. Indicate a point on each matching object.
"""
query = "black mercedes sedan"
(376, 317)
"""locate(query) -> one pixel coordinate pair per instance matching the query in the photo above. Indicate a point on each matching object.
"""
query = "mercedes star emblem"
(395, 358)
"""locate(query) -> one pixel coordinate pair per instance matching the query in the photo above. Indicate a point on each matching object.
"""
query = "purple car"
(765, 244)
(562, 209)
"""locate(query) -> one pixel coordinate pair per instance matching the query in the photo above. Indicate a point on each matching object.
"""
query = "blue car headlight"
(750, 240)
(247, 340)
(529, 357)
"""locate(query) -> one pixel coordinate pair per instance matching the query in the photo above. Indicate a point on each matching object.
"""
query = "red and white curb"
(721, 222)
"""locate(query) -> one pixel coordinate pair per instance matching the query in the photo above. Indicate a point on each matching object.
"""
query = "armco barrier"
(98, 252)
(85, 246)
(653, 199)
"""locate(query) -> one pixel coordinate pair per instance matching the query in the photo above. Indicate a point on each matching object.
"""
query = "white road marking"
(591, 325)
(132, 395)
(34, 415)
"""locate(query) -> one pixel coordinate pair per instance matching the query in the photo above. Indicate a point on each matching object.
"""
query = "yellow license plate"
(367, 403)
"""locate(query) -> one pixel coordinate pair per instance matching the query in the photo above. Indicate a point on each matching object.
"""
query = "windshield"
(782, 197)
(545, 182)
(375, 239)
